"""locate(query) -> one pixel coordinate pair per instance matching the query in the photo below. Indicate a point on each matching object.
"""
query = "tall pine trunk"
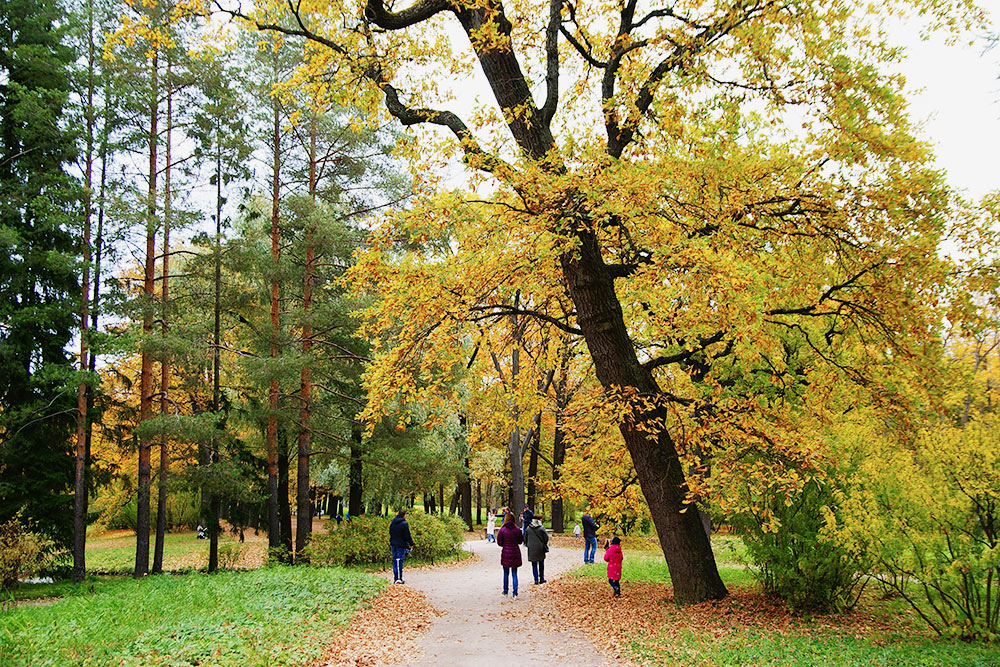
(303, 526)
(273, 520)
(284, 506)
(80, 472)
(213, 455)
(146, 371)
(164, 471)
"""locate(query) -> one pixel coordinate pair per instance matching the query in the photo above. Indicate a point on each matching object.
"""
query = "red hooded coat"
(614, 557)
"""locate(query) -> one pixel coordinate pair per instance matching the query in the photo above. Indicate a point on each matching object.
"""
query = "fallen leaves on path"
(384, 633)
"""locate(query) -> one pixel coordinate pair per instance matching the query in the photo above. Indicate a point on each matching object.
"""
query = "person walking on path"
(589, 537)
(509, 537)
(401, 543)
(526, 516)
(536, 539)
(614, 558)
(491, 526)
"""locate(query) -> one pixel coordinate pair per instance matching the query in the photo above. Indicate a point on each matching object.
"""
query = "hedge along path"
(475, 625)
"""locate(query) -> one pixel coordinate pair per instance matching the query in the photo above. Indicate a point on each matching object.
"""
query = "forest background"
(236, 288)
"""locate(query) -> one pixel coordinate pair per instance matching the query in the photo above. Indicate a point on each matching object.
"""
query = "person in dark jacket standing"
(401, 543)
(589, 537)
(526, 516)
(508, 538)
(536, 539)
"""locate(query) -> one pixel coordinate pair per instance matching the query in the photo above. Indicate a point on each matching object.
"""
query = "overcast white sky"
(959, 101)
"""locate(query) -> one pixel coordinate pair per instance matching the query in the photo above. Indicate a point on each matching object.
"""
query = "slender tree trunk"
(440, 504)
(686, 547)
(284, 506)
(355, 476)
(303, 528)
(146, 371)
(465, 487)
(273, 520)
(479, 501)
(558, 456)
(213, 499)
(164, 472)
(533, 465)
(80, 476)
(98, 256)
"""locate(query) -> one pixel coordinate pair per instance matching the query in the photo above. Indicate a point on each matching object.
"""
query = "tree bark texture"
(686, 547)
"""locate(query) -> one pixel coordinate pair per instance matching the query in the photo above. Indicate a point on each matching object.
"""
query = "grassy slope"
(271, 616)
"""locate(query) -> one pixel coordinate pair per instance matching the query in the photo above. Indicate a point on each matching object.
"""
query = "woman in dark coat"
(508, 538)
(536, 538)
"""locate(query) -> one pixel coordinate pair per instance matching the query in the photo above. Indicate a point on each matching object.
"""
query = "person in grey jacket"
(536, 538)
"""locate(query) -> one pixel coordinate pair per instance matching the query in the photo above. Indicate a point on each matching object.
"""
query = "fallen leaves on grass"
(384, 632)
(646, 611)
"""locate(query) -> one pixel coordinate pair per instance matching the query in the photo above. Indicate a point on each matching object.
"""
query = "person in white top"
(491, 526)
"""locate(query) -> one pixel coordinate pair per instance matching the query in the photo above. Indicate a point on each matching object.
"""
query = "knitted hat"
(616, 540)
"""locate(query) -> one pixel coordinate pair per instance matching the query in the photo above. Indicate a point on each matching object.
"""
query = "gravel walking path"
(480, 627)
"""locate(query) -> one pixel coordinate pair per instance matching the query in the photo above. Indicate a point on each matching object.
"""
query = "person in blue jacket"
(401, 543)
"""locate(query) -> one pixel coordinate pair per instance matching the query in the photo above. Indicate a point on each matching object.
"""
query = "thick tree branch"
(376, 12)
(498, 310)
(684, 355)
(548, 110)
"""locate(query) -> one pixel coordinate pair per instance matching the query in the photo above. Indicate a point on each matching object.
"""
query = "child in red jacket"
(614, 558)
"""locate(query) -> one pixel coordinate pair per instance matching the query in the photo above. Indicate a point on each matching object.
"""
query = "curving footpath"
(480, 627)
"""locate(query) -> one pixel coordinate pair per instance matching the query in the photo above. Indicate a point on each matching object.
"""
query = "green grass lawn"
(115, 553)
(271, 616)
(820, 649)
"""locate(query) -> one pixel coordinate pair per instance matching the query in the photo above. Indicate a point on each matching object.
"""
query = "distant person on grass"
(536, 539)
(401, 543)
(614, 558)
(589, 537)
(509, 537)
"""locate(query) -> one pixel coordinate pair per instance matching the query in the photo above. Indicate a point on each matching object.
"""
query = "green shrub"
(797, 560)
(229, 555)
(364, 540)
(22, 552)
(931, 518)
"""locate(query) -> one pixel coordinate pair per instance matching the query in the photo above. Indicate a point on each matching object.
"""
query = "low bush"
(364, 540)
(796, 558)
(930, 516)
(22, 552)
(229, 555)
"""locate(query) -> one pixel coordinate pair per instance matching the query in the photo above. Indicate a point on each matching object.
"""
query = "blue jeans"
(398, 556)
(589, 549)
(510, 572)
(538, 571)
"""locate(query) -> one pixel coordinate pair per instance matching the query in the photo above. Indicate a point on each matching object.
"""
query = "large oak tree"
(729, 192)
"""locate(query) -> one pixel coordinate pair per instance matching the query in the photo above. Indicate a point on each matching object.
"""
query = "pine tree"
(38, 252)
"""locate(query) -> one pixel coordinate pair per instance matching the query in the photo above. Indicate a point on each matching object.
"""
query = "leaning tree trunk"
(686, 547)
